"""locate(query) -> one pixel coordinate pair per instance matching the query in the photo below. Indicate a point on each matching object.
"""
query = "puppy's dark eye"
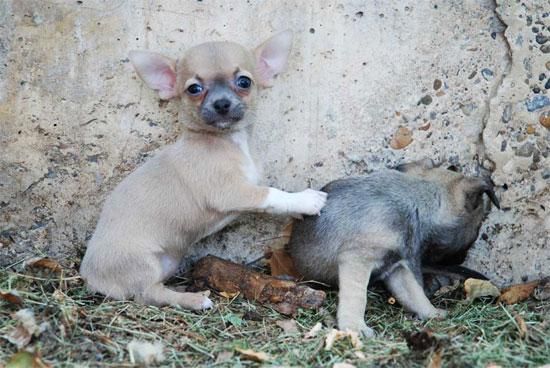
(194, 89)
(243, 82)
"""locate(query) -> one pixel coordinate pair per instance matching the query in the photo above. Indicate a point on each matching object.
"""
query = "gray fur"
(391, 222)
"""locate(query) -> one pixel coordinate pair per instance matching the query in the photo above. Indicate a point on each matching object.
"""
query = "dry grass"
(87, 330)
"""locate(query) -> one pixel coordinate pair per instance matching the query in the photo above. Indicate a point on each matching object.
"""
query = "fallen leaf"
(422, 340)
(335, 335)
(288, 325)
(476, 288)
(228, 294)
(343, 365)
(12, 297)
(224, 356)
(253, 316)
(542, 292)
(46, 263)
(314, 331)
(146, 353)
(522, 326)
(517, 293)
(281, 264)
(22, 334)
(255, 356)
(401, 138)
(25, 359)
(436, 359)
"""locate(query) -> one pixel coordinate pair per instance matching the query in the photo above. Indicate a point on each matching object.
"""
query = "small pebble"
(546, 173)
(536, 89)
(547, 84)
(545, 48)
(537, 102)
(426, 100)
(437, 84)
(547, 65)
(535, 29)
(530, 129)
(472, 74)
(542, 77)
(487, 74)
(541, 40)
(544, 119)
(507, 114)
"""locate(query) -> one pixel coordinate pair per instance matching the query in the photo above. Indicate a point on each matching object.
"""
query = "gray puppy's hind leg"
(353, 278)
(404, 286)
(158, 294)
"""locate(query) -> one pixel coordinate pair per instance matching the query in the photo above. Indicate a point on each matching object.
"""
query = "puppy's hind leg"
(353, 278)
(158, 294)
(407, 290)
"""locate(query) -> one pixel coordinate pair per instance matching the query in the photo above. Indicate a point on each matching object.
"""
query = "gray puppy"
(386, 226)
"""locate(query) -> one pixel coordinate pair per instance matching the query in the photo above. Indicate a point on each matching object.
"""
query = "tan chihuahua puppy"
(199, 184)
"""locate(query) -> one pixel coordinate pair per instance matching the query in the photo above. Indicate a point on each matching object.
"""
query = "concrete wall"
(75, 119)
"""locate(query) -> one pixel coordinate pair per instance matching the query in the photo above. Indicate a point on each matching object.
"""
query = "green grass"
(88, 330)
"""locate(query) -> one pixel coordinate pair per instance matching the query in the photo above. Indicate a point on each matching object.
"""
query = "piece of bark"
(284, 296)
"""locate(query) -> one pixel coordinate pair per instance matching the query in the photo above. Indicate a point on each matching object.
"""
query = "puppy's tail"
(453, 271)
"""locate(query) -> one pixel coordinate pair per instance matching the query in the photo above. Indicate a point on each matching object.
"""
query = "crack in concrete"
(480, 144)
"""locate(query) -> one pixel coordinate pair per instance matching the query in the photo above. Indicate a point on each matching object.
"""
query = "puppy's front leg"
(406, 289)
(241, 197)
(353, 278)
(307, 202)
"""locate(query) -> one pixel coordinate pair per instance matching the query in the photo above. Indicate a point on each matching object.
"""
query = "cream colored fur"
(192, 188)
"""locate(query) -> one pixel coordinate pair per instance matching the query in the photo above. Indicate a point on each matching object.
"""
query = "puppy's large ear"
(271, 57)
(475, 190)
(157, 71)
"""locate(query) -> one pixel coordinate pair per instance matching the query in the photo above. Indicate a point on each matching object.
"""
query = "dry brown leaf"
(281, 264)
(517, 293)
(314, 331)
(335, 335)
(522, 326)
(228, 294)
(255, 356)
(46, 263)
(288, 325)
(436, 359)
(476, 288)
(401, 138)
(11, 297)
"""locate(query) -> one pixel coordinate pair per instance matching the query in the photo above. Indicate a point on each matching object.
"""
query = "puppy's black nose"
(222, 106)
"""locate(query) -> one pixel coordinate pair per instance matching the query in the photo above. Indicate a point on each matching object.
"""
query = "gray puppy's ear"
(474, 193)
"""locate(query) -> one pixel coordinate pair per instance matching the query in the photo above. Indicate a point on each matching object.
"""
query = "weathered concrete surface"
(75, 119)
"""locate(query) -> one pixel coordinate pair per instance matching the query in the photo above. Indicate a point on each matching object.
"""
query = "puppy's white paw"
(357, 326)
(207, 303)
(309, 202)
(434, 313)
